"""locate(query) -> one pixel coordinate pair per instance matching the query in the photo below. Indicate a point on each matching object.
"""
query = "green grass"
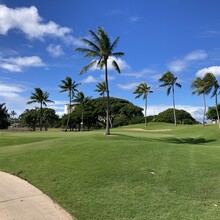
(130, 175)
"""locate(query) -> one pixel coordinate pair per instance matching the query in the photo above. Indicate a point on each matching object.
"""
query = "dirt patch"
(141, 129)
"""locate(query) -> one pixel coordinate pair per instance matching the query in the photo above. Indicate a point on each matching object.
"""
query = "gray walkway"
(19, 200)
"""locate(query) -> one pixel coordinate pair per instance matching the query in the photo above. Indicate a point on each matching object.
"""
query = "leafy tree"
(4, 117)
(211, 85)
(81, 100)
(143, 90)
(101, 49)
(38, 96)
(183, 117)
(69, 86)
(169, 80)
(29, 118)
(95, 115)
(198, 86)
(212, 114)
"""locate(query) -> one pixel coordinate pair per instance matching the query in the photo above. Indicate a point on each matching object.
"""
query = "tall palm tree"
(81, 99)
(69, 86)
(211, 84)
(198, 86)
(143, 90)
(101, 88)
(169, 80)
(101, 50)
(38, 96)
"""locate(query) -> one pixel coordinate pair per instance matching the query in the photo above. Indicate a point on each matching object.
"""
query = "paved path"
(19, 200)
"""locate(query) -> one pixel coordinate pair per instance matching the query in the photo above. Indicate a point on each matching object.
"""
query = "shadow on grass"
(188, 140)
(168, 139)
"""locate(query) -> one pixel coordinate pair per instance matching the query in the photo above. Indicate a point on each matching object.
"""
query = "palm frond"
(168, 90)
(115, 43)
(178, 85)
(115, 65)
(94, 36)
(87, 67)
(117, 54)
(90, 44)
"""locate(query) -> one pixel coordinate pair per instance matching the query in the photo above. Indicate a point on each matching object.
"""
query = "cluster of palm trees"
(101, 50)
(169, 80)
(204, 86)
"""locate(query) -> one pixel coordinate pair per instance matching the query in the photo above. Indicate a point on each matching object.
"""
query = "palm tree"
(169, 80)
(101, 88)
(211, 84)
(143, 90)
(70, 87)
(38, 96)
(198, 85)
(12, 114)
(81, 100)
(101, 49)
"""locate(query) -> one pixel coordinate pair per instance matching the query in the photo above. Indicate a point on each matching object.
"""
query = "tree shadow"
(188, 140)
(172, 140)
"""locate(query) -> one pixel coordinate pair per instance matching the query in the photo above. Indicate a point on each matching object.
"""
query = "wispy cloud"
(17, 64)
(55, 50)
(179, 65)
(28, 21)
(212, 69)
(128, 86)
(146, 72)
(89, 79)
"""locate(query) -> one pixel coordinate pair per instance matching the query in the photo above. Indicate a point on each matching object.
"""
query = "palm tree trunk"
(216, 104)
(40, 116)
(82, 120)
(203, 123)
(145, 112)
(174, 110)
(107, 106)
(68, 119)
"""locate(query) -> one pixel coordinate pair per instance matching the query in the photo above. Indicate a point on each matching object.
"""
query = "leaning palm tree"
(169, 80)
(211, 84)
(70, 87)
(81, 99)
(198, 86)
(101, 50)
(143, 90)
(38, 96)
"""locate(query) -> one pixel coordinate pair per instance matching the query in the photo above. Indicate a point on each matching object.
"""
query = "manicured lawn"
(133, 174)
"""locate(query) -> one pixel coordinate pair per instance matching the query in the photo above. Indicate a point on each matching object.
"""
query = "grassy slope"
(98, 177)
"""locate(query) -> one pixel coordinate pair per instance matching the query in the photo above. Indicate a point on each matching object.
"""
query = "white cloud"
(142, 73)
(55, 50)
(89, 79)
(11, 94)
(212, 69)
(181, 64)
(16, 64)
(128, 86)
(28, 21)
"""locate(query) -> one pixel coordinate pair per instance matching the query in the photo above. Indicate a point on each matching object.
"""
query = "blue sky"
(38, 38)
